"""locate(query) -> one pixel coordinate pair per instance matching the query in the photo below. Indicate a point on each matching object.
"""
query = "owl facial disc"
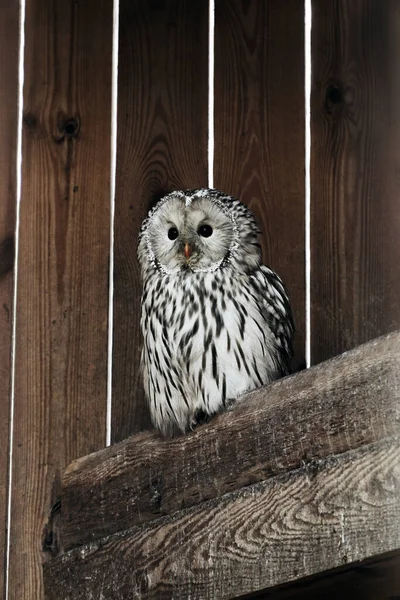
(193, 231)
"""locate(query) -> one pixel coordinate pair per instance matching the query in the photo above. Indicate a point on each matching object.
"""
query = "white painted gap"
(114, 125)
(211, 30)
(18, 181)
(307, 89)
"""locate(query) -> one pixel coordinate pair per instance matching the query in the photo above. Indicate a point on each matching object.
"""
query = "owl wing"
(275, 308)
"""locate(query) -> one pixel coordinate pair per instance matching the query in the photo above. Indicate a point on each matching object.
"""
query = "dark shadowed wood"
(259, 129)
(9, 42)
(61, 342)
(162, 145)
(336, 511)
(372, 579)
(355, 224)
(351, 400)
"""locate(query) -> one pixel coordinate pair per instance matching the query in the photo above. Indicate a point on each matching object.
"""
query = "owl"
(215, 322)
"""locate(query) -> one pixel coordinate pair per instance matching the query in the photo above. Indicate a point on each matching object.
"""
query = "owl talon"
(200, 417)
(230, 403)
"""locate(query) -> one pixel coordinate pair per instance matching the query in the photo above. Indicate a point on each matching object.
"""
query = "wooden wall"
(62, 286)
(8, 127)
(62, 289)
(355, 216)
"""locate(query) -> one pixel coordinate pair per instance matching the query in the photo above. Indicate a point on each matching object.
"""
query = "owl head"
(200, 231)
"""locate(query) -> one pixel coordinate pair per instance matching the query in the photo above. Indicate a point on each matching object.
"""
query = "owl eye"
(205, 230)
(173, 233)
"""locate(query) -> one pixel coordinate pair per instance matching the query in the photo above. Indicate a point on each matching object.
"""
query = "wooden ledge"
(330, 409)
(325, 514)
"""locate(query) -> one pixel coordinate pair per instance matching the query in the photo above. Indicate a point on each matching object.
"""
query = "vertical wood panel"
(9, 42)
(259, 129)
(355, 222)
(162, 145)
(62, 303)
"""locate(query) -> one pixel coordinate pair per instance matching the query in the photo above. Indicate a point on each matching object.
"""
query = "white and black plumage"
(215, 321)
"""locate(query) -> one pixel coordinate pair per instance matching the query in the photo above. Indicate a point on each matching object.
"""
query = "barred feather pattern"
(215, 322)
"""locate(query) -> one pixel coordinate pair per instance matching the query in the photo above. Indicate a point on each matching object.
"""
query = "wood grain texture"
(162, 145)
(9, 43)
(336, 406)
(337, 511)
(373, 579)
(62, 304)
(259, 129)
(355, 220)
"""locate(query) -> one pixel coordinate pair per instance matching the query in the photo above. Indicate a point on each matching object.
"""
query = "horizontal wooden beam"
(325, 514)
(376, 578)
(339, 405)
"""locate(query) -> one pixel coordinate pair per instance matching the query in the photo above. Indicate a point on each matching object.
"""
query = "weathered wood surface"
(62, 304)
(355, 217)
(349, 401)
(9, 43)
(373, 579)
(259, 129)
(162, 145)
(323, 515)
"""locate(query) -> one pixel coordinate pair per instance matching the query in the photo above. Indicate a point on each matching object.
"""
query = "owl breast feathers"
(215, 321)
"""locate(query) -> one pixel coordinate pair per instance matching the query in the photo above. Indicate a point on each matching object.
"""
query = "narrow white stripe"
(114, 99)
(211, 29)
(18, 180)
(307, 35)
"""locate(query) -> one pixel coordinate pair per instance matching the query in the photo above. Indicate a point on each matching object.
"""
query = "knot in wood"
(67, 126)
(334, 94)
(335, 100)
(30, 120)
(71, 127)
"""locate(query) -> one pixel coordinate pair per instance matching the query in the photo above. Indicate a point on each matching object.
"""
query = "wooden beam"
(347, 402)
(323, 515)
(377, 578)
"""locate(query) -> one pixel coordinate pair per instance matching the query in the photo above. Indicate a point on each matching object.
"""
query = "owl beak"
(188, 251)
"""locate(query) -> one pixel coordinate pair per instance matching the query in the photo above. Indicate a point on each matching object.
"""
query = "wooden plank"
(324, 515)
(355, 221)
(62, 305)
(342, 404)
(373, 579)
(259, 129)
(162, 145)
(9, 43)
